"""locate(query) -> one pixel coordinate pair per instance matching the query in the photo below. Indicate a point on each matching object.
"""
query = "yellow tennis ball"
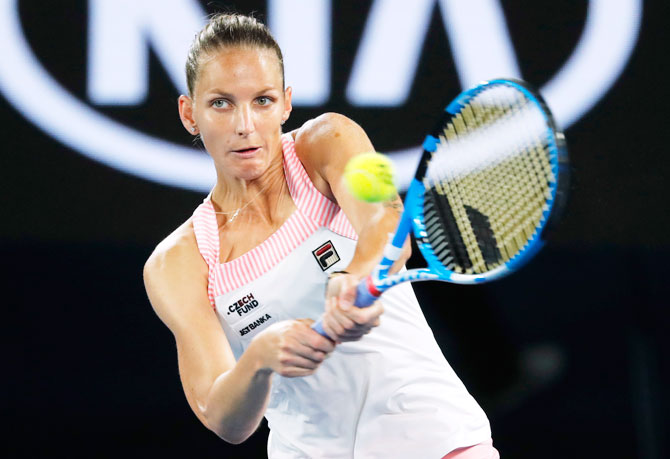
(369, 177)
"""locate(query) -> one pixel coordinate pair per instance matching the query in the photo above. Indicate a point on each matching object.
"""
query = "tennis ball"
(369, 177)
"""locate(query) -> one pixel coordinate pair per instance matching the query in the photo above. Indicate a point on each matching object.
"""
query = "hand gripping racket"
(492, 179)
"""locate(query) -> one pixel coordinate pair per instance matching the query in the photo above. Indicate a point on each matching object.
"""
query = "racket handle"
(366, 294)
(318, 327)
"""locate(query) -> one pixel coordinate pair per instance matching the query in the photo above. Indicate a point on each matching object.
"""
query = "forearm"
(238, 398)
(373, 237)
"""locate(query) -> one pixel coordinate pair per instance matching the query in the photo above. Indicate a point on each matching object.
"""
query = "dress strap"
(206, 231)
(311, 202)
(207, 238)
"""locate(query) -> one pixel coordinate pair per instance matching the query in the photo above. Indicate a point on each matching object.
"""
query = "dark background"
(569, 357)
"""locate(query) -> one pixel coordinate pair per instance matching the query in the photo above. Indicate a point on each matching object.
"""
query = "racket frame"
(413, 216)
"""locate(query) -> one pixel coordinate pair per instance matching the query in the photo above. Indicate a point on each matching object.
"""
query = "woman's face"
(238, 106)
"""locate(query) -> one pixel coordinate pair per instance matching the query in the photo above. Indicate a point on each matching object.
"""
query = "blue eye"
(220, 103)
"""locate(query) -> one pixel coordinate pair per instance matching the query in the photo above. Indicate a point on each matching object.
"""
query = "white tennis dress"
(390, 395)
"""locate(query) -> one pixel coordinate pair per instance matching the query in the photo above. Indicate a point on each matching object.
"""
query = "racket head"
(492, 180)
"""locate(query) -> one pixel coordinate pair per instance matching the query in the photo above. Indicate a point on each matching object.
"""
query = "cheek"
(272, 120)
(215, 130)
(213, 139)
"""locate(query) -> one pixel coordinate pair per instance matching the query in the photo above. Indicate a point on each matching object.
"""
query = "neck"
(257, 195)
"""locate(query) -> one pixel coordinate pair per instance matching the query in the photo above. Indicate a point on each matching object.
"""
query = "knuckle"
(360, 319)
(330, 332)
(315, 341)
(334, 327)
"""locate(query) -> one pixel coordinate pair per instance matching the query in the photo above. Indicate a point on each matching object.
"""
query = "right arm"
(228, 397)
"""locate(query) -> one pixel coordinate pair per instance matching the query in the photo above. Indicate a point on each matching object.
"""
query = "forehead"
(239, 66)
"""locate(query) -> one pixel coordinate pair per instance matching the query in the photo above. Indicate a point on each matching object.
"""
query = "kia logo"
(122, 31)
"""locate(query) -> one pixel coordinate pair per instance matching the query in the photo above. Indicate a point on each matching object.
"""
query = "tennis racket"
(492, 179)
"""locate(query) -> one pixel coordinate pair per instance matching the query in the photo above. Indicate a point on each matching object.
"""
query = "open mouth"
(246, 151)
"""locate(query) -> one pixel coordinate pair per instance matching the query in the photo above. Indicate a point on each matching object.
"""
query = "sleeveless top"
(391, 394)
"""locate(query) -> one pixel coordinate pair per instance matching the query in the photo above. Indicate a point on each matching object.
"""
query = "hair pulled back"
(228, 30)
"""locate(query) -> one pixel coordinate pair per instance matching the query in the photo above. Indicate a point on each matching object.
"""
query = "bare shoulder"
(326, 132)
(325, 144)
(175, 271)
(179, 246)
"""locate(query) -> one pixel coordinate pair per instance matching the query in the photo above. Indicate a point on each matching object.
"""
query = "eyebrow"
(266, 89)
(219, 92)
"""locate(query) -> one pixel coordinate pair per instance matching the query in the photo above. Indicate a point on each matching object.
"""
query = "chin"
(250, 172)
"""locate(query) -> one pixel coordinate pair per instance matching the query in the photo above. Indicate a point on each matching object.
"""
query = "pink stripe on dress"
(314, 210)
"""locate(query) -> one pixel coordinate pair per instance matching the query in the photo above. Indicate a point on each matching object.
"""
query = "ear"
(186, 114)
(288, 93)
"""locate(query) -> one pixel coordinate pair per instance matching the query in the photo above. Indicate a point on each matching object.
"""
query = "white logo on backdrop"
(121, 32)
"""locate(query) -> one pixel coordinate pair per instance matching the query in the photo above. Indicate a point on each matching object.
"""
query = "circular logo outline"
(608, 38)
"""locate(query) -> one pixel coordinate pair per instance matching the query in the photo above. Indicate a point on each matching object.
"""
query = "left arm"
(325, 145)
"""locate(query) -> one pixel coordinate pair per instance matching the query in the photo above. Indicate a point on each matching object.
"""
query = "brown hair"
(227, 30)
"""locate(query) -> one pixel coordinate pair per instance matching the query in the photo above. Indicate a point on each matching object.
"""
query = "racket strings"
(482, 214)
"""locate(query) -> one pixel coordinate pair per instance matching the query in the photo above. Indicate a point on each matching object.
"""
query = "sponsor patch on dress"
(326, 255)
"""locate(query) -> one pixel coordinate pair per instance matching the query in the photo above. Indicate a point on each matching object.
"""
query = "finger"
(295, 372)
(319, 342)
(343, 317)
(358, 330)
(308, 352)
(332, 328)
(314, 339)
(341, 325)
(367, 316)
(308, 343)
(306, 321)
(347, 295)
(331, 303)
(354, 336)
(298, 360)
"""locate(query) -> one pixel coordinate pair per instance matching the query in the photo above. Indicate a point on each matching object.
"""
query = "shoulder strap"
(206, 232)
(308, 198)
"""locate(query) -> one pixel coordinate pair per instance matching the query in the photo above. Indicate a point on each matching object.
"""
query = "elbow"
(229, 434)
(232, 437)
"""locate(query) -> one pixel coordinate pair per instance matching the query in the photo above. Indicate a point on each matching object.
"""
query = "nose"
(245, 121)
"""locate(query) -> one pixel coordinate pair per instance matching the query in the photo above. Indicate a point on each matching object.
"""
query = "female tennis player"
(278, 241)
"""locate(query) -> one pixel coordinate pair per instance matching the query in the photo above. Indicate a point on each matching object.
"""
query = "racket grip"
(318, 327)
(366, 294)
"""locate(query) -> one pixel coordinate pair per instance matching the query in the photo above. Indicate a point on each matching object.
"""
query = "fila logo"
(243, 305)
(326, 255)
(121, 32)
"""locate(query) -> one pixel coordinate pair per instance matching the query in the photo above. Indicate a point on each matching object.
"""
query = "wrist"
(356, 272)
(256, 357)
(361, 268)
(337, 273)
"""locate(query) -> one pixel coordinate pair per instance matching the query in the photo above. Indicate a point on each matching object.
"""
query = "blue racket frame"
(413, 219)
(413, 216)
